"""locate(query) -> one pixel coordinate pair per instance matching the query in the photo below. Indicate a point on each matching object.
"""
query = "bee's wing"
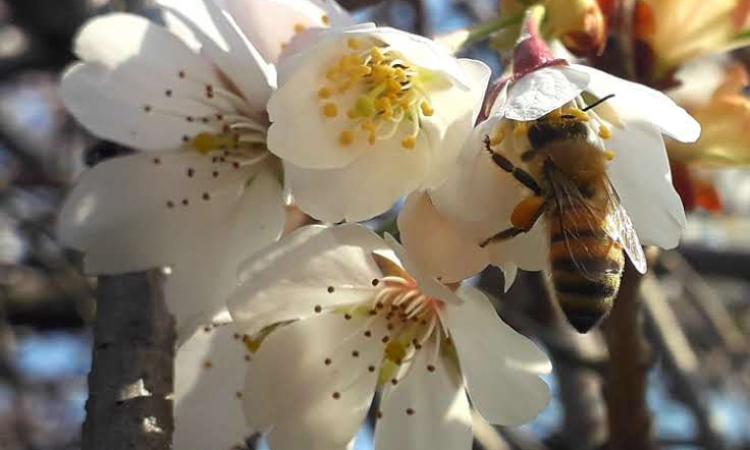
(620, 228)
(588, 218)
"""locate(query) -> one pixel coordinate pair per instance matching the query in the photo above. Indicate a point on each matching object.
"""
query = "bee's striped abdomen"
(584, 298)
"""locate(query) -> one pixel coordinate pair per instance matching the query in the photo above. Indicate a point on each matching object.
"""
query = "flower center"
(411, 319)
(381, 90)
(241, 137)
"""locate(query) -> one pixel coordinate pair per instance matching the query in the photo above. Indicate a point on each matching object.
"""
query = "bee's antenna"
(598, 102)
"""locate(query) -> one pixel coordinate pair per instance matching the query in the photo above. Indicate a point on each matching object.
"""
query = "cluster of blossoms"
(243, 107)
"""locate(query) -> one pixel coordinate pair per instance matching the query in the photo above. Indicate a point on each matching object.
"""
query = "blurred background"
(696, 301)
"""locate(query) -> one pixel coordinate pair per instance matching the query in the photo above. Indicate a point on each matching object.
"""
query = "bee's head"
(557, 126)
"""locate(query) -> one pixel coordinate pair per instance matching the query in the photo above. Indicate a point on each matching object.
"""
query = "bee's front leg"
(507, 165)
(523, 218)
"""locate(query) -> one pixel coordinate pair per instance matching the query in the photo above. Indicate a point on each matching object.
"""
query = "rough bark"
(131, 378)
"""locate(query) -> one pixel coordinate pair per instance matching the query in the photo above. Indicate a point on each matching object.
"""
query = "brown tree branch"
(630, 422)
(132, 375)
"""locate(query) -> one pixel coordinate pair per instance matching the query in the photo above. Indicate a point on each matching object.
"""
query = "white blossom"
(366, 115)
(205, 192)
(335, 314)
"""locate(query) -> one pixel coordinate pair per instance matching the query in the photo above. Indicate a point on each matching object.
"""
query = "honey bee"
(588, 227)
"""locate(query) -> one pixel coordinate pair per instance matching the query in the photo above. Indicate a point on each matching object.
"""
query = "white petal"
(311, 382)
(423, 52)
(209, 380)
(224, 43)
(641, 176)
(141, 86)
(270, 24)
(500, 365)
(428, 409)
(478, 190)
(289, 279)
(455, 113)
(542, 91)
(366, 188)
(636, 102)
(528, 251)
(481, 197)
(295, 109)
(120, 215)
(437, 243)
(427, 283)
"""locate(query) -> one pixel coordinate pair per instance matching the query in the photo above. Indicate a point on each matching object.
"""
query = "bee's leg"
(523, 218)
(520, 175)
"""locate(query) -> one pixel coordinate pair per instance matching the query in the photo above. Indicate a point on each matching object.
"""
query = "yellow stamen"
(346, 138)
(326, 20)
(604, 132)
(388, 90)
(299, 28)
(609, 154)
(330, 110)
(409, 142)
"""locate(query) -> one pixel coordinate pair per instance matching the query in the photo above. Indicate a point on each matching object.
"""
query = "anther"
(330, 289)
(318, 308)
(336, 395)
(330, 110)
(346, 138)
(409, 143)
(327, 361)
(409, 411)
